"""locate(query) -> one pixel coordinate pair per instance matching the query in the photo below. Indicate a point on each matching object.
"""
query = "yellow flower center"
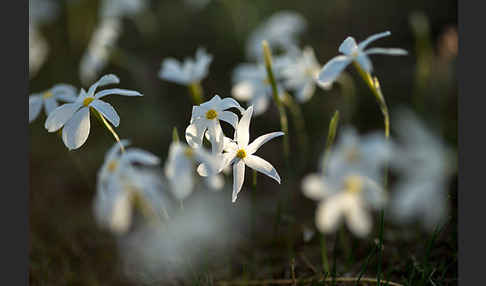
(241, 154)
(47, 94)
(112, 166)
(188, 152)
(87, 100)
(211, 114)
(353, 184)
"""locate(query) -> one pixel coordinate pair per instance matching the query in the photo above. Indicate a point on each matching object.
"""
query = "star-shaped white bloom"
(49, 98)
(73, 118)
(188, 72)
(300, 74)
(206, 117)
(281, 30)
(120, 184)
(355, 52)
(180, 167)
(240, 153)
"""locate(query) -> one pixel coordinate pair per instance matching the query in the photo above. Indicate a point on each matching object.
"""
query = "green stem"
(325, 262)
(196, 92)
(108, 126)
(299, 123)
(175, 135)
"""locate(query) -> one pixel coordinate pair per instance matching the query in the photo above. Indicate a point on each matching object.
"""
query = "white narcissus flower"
(300, 74)
(73, 117)
(206, 116)
(355, 52)
(190, 71)
(240, 153)
(120, 185)
(49, 99)
(180, 167)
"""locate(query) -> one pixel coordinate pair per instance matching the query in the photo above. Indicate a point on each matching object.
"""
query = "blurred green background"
(66, 246)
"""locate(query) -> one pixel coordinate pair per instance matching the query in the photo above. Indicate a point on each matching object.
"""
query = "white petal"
(313, 187)
(64, 92)
(213, 103)
(390, 51)
(373, 38)
(180, 174)
(113, 151)
(215, 183)
(50, 104)
(229, 102)
(171, 70)
(238, 178)
(243, 129)
(348, 46)
(104, 80)
(141, 156)
(357, 218)
(262, 166)
(208, 161)
(107, 111)
(121, 215)
(60, 116)
(257, 143)
(329, 214)
(216, 137)
(76, 130)
(364, 62)
(243, 91)
(195, 133)
(118, 91)
(332, 69)
(35, 106)
(306, 91)
(229, 117)
(260, 103)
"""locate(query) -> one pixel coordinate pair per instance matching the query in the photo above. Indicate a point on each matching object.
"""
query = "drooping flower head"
(187, 72)
(73, 117)
(49, 99)
(355, 52)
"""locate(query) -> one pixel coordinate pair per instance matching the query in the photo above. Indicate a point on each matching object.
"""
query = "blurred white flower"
(424, 164)
(300, 74)
(180, 166)
(188, 72)
(281, 31)
(120, 8)
(38, 50)
(240, 153)
(121, 185)
(251, 84)
(73, 117)
(355, 52)
(99, 49)
(206, 117)
(49, 98)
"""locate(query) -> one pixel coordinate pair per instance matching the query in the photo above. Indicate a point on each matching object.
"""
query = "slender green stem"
(299, 123)
(196, 92)
(175, 135)
(108, 126)
(325, 262)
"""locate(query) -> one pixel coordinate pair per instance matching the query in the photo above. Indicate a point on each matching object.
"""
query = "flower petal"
(383, 51)
(179, 173)
(171, 70)
(260, 103)
(262, 166)
(119, 91)
(373, 38)
(121, 213)
(35, 106)
(243, 90)
(229, 102)
(76, 130)
(107, 111)
(257, 143)
(365, 63)
(113, 151)
(140, 156)
(60, 116)
(216, 137)
(329, 214)
(348, 46)
(64, 92)
(215, 183)
(195, 133)
(50, 104)
(238, 178)
(332, 69)
(229, 117)
(104, 80)
(357, 218)
(314, 187)
(243, 128)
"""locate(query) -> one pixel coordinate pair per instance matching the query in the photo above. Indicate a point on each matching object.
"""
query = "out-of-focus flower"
(206, 117)
(424, 165)
(180, 167)
(241, 153)
(300, 74)
(281, 31)
(49, 98)
(121, 186)
(73, 117)
(120, 8)
(99, 49)
(355, 52)
(188, 72)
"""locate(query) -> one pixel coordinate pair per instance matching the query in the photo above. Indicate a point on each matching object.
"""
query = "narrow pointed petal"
(238, 178)
(104, 80)
(357, 218)
(113, 151)
(208, 161)
(118, 91)
(121, 214)
(229, 102)
(313, 187)
(257, 143)
(60, 116)
(107, 111)
(195, 133)
(243, 129)
(50, 104)
(216, 137)
(262, 166)
(171, 70)
(348, 46)
(329, 214)
(365, 62)
(372, 38)
(180, 174)
(383, 51)
(64, 92)
(332, 69)
(35, 106)
(141, 156)
(76, 130)
(229, 117)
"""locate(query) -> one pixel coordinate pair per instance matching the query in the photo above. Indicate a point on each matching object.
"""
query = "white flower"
(240, 153)
(191, 71)
(300, 74)
(73, 118)
(424, 165)
(251, 84)
(354, 52)
(49, 98)
(120, 8)
(180, 167)
(281, 31)
(206, 117)
(99, 49)
(38, 50)
(120, 184)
